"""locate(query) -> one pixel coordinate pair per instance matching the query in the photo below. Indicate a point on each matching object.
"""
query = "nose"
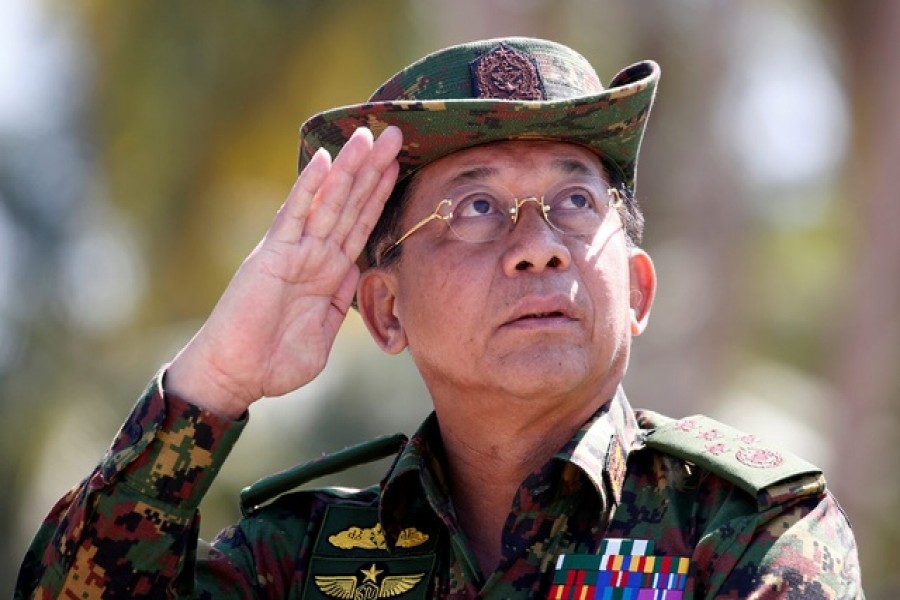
(533, 245)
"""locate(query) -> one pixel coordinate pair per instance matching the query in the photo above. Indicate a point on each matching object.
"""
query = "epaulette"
(772, 476)
(272, 486)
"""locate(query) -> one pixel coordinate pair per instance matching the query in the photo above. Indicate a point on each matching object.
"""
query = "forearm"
(131, 526)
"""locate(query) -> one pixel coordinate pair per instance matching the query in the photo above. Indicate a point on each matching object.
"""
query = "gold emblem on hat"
(349, 587)
(372, 538)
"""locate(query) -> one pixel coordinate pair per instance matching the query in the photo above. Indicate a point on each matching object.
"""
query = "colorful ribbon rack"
(624, 570)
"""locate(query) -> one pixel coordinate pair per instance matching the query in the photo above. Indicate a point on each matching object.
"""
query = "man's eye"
(579, 200)
(476, 206)
(574, 200)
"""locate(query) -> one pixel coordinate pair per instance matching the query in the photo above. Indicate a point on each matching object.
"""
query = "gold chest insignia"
(372, 538)
(411, 537)
(370, 587)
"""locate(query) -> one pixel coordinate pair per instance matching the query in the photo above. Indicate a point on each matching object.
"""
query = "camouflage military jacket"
(633, 497)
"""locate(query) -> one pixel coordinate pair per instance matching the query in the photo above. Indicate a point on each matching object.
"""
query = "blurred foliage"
(175, 143)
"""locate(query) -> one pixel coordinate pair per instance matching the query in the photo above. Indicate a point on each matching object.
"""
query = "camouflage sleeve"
(801, 549)
(131, 527)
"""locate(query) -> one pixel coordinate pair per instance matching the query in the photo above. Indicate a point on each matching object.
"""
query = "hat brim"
(611, 123)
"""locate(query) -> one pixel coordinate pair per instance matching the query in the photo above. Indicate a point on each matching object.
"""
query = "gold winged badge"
(348, 587)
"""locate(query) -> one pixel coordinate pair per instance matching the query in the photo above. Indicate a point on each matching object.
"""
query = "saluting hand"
(273, 328)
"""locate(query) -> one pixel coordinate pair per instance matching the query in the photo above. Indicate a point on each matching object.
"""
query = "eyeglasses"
(482, 213)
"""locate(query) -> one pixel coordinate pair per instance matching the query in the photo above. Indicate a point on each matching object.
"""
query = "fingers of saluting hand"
(289, 222)
(359, 178)
(371, 210)
(342, 200)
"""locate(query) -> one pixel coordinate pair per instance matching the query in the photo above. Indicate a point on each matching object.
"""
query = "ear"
(642, 284)
(377, 301)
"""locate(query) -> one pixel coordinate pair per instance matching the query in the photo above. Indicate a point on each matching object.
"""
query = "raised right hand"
(273, 328)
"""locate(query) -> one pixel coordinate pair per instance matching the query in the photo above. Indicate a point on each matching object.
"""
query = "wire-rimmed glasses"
(482, 213)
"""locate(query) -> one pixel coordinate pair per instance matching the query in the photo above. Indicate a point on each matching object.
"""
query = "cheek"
(607, 280)
(441, 323)
(432, 297)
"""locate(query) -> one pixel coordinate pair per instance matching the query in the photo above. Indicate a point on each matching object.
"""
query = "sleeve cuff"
(170, 449)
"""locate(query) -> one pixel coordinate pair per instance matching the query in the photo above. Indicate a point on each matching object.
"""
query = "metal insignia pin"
(506, 73)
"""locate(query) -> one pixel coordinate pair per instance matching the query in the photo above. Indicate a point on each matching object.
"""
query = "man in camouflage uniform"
(506, 261)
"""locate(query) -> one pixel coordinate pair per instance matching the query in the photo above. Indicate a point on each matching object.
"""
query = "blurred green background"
(145, 146)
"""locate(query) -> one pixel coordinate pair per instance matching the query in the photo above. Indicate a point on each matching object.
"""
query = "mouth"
(556, 314)
(552, 310)
(541, 320)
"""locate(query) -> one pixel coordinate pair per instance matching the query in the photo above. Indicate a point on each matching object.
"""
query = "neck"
(491, 447)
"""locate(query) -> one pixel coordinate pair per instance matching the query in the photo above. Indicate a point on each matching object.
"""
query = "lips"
(543, 315)
(537, 309)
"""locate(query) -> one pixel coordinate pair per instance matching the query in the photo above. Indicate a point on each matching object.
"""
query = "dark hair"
(388, 227)
(632, 215)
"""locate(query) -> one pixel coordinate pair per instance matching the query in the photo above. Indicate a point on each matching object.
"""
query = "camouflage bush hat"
(494, 90)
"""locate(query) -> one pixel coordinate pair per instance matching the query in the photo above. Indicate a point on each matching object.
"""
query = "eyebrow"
(573, 166)
(568, 166)
(472, 175)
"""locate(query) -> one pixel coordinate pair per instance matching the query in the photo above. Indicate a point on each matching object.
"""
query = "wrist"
(205, 387)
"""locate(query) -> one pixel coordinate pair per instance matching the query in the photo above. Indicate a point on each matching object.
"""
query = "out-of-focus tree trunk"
(696, 237)
(867, 349)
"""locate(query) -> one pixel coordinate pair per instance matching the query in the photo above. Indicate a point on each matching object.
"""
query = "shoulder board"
(272, 486)
(772, 476)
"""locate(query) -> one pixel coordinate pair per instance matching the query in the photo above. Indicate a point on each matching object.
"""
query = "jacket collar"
(599, 450)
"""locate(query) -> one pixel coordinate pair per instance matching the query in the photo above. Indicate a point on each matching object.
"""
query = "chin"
(545, 380)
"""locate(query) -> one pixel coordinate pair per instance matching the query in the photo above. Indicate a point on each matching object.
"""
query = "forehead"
(513, 160)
